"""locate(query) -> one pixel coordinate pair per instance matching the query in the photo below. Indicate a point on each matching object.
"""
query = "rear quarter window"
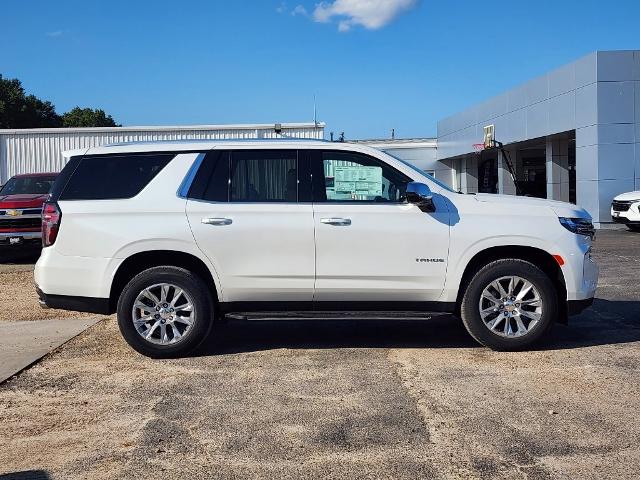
(108, 177)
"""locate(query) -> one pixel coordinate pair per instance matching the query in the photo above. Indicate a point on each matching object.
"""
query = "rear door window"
(119, 176)
(252, 176)
(264, 176)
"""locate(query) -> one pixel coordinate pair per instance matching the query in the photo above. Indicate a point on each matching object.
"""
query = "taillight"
(51, 217)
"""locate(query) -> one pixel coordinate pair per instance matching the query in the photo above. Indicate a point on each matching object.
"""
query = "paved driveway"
(367, 399)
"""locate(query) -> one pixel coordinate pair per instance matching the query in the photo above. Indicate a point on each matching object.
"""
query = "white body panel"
(97, 236)
(266, 253)
(284, 252)
(486, 221)
(386, 253)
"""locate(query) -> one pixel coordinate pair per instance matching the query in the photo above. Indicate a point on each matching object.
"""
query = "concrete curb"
(22, 344)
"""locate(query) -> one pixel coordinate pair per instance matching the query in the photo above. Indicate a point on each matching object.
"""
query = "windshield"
(425, 174)
(27, 185)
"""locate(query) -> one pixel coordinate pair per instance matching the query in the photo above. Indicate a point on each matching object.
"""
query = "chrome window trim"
(185, 186)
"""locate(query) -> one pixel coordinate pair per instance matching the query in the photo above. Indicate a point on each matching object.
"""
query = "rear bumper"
(76, 304)
(72, 275)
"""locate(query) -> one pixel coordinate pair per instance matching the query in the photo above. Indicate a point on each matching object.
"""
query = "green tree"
(87, 117)
(18, 110)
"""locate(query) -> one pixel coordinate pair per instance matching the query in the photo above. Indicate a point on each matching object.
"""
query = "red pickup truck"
(21, 200)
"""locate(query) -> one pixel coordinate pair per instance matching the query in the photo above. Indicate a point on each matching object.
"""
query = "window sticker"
(355, 182)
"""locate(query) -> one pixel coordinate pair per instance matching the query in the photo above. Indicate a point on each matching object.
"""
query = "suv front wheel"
(165, 312)
(509, 304)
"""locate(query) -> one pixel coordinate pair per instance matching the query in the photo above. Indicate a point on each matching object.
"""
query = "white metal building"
(421, 152)
(40, 150)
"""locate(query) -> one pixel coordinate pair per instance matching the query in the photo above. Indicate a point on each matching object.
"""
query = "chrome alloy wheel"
(163, 314)
(510, 306)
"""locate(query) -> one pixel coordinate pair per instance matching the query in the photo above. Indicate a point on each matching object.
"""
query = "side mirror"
(420, 195)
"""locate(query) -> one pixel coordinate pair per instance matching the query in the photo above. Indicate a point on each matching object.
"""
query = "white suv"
(173, 236)
(625, 208)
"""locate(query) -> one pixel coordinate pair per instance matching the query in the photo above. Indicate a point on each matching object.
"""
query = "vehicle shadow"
(606, 323)
(22, 256)
(26, 475)
(249, 336)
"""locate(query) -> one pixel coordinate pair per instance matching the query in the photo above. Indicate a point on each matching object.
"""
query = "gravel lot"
(374, 399)
(18, 301)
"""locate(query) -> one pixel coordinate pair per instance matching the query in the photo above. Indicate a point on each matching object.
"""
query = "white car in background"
(625, 208)
(174, 235)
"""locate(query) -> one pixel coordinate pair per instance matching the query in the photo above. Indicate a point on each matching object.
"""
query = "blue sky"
(399, 64)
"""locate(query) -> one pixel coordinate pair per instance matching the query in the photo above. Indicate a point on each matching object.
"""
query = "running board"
(333, 316)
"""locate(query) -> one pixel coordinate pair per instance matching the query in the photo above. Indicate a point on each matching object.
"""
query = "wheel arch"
(141, 261)
(540, 258)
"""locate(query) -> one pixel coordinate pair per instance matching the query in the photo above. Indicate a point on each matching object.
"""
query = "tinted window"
(264, 176)
(113, 176)
(354, 177)
(27, 185)
(63, 177)
(211, 183)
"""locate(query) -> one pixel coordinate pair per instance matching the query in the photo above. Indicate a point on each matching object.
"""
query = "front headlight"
(579, 226)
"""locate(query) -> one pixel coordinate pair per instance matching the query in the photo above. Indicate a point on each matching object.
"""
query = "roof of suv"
(203, 145)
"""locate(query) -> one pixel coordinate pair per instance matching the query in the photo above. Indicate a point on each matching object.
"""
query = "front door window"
(354, 177)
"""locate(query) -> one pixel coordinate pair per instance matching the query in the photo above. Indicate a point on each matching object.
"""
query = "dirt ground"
(18, 299)
(358, 399)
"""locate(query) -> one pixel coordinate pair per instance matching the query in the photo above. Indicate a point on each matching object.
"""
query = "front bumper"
(625, 220)
(20, 238)
(630, 215)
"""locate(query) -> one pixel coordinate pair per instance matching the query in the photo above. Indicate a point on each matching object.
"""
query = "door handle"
(217, 221)
(340, 222)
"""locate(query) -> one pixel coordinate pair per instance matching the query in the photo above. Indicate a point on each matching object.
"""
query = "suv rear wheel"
(165, 312)
(509, 304)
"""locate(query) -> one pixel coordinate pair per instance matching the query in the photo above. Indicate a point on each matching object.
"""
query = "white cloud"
(282, 7)
(371, 14)
(344, 26)
(57, 33)
(299, 10)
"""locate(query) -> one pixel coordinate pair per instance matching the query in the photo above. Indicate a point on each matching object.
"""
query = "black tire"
(192, 285)
(470, 305)
(634, 228)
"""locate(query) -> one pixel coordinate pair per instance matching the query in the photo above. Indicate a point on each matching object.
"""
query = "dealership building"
(572, 134)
